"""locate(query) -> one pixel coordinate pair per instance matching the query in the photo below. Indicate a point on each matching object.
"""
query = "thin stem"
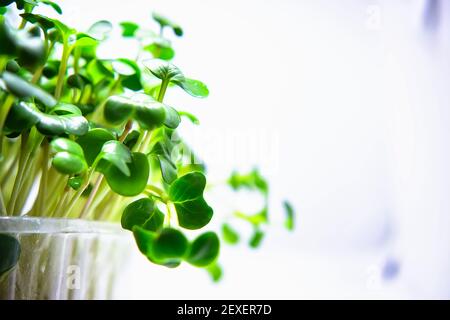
(80, 191)
(91, 197)
(62, 70)
(162, 90)
(44, 179)
(3, 211)
(159, 192)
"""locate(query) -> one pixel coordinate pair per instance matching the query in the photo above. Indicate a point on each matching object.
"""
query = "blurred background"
(344, 106)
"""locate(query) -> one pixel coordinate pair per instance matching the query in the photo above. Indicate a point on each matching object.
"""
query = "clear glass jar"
(64, 258)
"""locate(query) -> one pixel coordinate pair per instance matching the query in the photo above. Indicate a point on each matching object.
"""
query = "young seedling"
(97, 138)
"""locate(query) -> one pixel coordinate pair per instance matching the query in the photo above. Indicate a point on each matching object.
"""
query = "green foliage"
(69, 156)
(91, 132)
(187, 195)
(290, 216)
(168, 72)
(204, 250)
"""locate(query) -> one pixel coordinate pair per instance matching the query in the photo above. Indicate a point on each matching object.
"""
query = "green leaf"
(12, 66)
(160, 51)
(77, 81)
(167, 247)
(123, 67)
(229, 234)
(195, 88)
(97, 71)
(132, 138)
(165, 22)
(52, 4)
(92, 143)
(68, 156)
(187, 195)
(9, 253)
(130, 73)
(132, 184)
(190, 116)
(23, 116)
(251, 181)
(166, 71)
(28, 48)
(22, 89)
(215, 271)
(148, 112)
(85, 40)
(129, 28)
(44, 22)
(64, 30)
(100, 30)
(116, 154)
(162, 152)
(289, 222)
(204, 250)
(143, 213)
(155, 222)
(144, 239)
(256, 239)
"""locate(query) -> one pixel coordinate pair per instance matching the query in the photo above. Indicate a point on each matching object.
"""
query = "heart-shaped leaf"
(143, 213)
(22, 89)
(23, 116)
(114, 154)
(100, 30)
(98, 71)
(132, 184)
(92, 143)
(166, 71)
(129, 72)
(68, 156)
(129, 29)
(187, 195)
(162, 152)
(160, 50)
(204, 250)
(148, 112)
(9, 253)
(167, 247)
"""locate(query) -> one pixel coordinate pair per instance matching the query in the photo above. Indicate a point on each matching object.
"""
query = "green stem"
(162, 90)
(3, 211)
(80, 191)
(159, 192)
(20, 172)
(62, 70)
(44, 179)
(5, 110)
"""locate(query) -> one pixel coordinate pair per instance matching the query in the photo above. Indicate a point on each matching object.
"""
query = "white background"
(344, 106)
